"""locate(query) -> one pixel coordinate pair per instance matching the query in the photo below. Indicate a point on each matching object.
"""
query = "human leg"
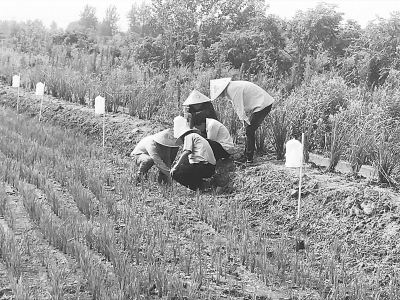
(191, 175)
(255, 121)
(144, 162)
(218, 150)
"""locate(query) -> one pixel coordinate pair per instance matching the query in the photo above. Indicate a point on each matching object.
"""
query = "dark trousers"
(191, 175)
(219, 151)
(255, 122)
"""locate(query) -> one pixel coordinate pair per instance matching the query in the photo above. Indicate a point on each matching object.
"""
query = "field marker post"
(104, 127)
(100, 108)
(294, 159)
(40, 92)
(301, 169)
(15, 83)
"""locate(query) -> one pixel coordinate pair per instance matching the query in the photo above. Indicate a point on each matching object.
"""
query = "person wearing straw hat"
(197, 160)
(159, 149)
(216, 134)
(251, 103)
(197, 102)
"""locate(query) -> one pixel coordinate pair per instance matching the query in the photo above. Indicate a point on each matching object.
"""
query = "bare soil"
(354, 223)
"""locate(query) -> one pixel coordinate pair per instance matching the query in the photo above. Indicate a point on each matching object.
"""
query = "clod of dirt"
(300, 245)
(368, 208)
(9, 190)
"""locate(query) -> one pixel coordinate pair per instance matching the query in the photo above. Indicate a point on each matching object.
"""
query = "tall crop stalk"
(279, 125)
(338, 141)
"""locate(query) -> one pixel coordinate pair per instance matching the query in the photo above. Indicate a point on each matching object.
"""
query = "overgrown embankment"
(121, 130)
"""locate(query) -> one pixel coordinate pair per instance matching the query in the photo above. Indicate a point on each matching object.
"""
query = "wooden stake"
(104, 135)
(18, 91)
(104, 126)
(17, 100)
(301, 168)
(41, 105)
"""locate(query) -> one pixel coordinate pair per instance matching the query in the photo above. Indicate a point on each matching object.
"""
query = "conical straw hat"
(181, 126)
(217, 86)
(165, 138)
(196, 97)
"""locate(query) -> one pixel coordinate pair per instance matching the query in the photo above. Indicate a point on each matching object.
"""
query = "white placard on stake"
(294, 159)
(301, 169)
(15, 81)
(99, 105)
(39, 89)
(100, 109)
(40, 92)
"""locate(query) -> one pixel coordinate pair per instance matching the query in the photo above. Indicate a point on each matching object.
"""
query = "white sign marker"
(294, 159)
(15, 83)
(99, 105)
(39, 89)
(100, 108)
(40, 92)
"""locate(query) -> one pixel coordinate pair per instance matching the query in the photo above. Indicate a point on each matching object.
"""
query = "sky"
(65, 11)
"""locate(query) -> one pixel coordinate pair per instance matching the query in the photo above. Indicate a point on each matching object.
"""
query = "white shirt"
(201, 151)
(148, 146)
(247, 98)
(216, 131)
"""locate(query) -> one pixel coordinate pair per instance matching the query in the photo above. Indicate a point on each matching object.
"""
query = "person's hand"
(172, 171)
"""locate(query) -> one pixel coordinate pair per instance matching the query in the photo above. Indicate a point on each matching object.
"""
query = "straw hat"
(165, 138)
(196, 97)
(181, 126)
(217, 86)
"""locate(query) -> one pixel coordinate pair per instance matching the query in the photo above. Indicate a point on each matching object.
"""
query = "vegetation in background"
(316, 65)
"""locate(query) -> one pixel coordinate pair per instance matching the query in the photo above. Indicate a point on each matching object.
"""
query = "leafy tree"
(310, 32)
(139, 19)
(104, 28)
(258, 48)
(112, 18)
(5, 29)
(30, 36)
(150, 50)
(75, 25)
(348, 34)
(378, 47)
(88, 17)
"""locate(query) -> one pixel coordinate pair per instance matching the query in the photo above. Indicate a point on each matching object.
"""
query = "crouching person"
(216, 134)
(159, 149)
(197, 160)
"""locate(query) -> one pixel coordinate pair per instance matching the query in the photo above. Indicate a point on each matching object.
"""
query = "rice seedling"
(9, 250)
(57, 280)
(20, 290)
(3, 200)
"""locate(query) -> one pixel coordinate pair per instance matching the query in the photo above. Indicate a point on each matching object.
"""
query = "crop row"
(137, 239)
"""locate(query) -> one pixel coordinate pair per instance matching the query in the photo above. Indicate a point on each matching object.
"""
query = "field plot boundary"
(255, 215)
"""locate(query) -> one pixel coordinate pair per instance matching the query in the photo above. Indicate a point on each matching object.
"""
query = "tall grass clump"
(310, 106)
(338, 140)
(387, 155)
(279, 126)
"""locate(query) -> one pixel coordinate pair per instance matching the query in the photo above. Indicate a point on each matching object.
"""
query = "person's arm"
(235, 95)
(212, 132)
(152, 150)
(183, 158)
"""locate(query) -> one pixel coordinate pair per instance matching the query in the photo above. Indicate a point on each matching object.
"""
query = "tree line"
(239, 34)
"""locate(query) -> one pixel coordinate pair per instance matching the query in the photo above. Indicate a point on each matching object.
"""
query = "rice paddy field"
(75, 225)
